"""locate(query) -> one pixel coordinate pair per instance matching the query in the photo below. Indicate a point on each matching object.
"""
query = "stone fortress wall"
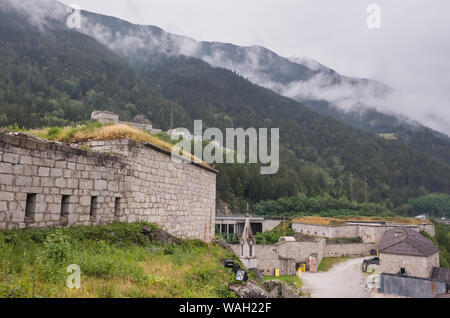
(45, 184)
(368, 232)
(286, 255)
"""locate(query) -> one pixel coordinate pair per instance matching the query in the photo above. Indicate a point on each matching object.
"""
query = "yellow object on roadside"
(277, 272)
(303, 267)
(299, 272)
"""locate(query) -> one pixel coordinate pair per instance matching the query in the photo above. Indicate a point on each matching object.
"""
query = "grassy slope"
(116, 260)
(328, 262)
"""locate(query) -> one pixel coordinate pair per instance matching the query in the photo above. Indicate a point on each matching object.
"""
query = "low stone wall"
(285, 255)
(344, 231)
(45, 184)
(353, 249)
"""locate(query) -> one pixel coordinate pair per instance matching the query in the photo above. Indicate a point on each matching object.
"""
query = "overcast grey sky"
(410, 52)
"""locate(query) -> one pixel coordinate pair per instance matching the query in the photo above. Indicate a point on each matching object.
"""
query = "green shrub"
(54, 131)
(57, 247)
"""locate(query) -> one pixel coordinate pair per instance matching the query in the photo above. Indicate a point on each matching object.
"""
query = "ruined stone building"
(139, 121)
(407, 252)
(45, 184)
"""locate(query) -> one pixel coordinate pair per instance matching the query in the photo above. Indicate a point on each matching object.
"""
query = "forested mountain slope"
(320, 88)
(51, 75)
(319, 155)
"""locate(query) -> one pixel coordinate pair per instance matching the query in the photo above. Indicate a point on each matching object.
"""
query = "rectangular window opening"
(94, 207)
(65, 204)
(117, 207)
(30, 207)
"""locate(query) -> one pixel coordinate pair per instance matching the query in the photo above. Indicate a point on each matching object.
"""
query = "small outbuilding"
(407, 252)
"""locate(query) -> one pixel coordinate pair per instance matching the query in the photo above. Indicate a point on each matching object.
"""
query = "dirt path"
(343, 280)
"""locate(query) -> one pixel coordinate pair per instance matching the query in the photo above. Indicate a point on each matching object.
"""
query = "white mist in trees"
(214, 152)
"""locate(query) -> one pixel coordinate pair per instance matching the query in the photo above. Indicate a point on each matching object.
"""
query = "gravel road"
(343, 280)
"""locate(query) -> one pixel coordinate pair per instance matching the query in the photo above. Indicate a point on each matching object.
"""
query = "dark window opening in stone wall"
(256, 227)
(30, 207)
(65, 204)
(117, 207)
(94, 207)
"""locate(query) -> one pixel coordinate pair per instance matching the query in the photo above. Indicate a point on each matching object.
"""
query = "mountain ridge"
(283, 75)
(46, 82)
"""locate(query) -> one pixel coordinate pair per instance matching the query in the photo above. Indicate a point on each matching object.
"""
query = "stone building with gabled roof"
(405, 251)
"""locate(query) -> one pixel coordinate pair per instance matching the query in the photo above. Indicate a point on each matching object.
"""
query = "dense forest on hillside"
(435, 205)
(318, 156)
(414, 135)
(57, 77)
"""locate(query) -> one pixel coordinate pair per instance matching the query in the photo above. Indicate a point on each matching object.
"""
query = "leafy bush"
(57, 247)
(273, 236)
(442, 240)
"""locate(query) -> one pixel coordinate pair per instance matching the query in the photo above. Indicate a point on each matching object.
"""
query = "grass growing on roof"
(94, 130)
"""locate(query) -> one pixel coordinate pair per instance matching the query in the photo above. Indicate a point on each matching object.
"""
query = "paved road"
(343, 280)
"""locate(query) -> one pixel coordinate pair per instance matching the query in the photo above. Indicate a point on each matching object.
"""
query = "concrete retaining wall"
(410, 286)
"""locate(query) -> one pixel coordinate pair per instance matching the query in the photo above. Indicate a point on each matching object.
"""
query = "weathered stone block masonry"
(44, 184)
